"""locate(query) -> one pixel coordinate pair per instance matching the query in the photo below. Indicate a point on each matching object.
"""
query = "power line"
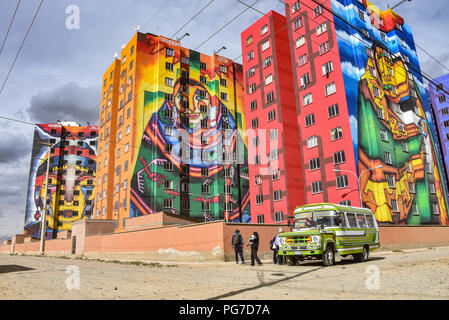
(226, 24)
(191, 19)
(21, 46)
(10, 24)
(160, 9)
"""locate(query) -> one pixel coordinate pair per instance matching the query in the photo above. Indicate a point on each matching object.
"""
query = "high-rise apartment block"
(172, 135)
(438, 98)
(69, 187)
(361, 115)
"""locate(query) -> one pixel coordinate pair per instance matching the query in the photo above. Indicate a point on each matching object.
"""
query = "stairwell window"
(298, 23)
(321, 29)
(307, 99)
(300, 41)
(296, 6)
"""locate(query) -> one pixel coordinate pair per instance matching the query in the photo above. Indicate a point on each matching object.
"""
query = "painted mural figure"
(390, 106)
(71, 178)
(181, 169)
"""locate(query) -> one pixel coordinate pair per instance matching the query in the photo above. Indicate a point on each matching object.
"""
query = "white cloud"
(352, 71)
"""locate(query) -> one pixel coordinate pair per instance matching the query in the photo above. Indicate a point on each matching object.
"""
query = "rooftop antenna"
(115, 55)
(222, 48)
(183, 36)
(137, 28)
(123, 46)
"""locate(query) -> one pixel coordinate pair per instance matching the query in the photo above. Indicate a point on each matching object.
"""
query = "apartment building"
(361, 111)
(68, 151)
(172, 135)
(275, 169)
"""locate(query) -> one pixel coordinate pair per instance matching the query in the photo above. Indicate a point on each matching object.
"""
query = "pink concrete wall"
(62, 246)
(196, 238)
(413, 236)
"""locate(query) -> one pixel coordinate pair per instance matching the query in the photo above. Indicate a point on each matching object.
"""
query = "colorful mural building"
(363, 126)
(172, 135)
(438, 99)
(69, 152)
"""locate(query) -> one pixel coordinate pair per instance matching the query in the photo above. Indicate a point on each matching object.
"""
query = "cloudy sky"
(58, 73)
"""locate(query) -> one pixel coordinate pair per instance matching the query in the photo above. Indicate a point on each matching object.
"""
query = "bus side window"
(361, 220)
(343, 222)
(370, 220)
(352, 220)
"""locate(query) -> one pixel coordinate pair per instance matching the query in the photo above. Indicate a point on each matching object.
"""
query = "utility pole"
(44, 213)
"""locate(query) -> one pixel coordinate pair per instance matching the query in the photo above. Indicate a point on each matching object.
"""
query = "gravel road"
(409, 274)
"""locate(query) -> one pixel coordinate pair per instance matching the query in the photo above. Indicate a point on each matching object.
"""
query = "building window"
(305, 79)
(317, 187)
(314, 164)
(302, 60)
(273, 134)
(321, 28)
(384, 135)
(169, 66)
(391, 181)
(276, 175)
(277, 195)
(296, 6)
(394, 206)
(312, 142)
(298, 23)
(259, 199)
(168, 203)
(169, 52)
(279, 216)
(260, 219)
(253, 105)
(270, 97)
(336, 134)
(252, 88)
(250, 55)
(265, 45)
(169, 82)
(257, 179)
(411, 187)
(307, 99)
(310, 120)
(327, 68)
(267, 62)
(387, 158)
(330, 89)
(224, 96)
(300, 41)
(271, 115)
(268, 79)
(324, 48)
(317, 11)
(342, 182)
(255, 123)
(251, 72)
(414, 209)
(249, 40)
(333, 111)
(339, 157)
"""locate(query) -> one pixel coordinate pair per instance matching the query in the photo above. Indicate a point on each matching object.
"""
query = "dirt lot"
(410, 274)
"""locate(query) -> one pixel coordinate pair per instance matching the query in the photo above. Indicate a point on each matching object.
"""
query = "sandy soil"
(410, 274)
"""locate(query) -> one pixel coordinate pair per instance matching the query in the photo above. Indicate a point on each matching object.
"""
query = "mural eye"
(198, 98)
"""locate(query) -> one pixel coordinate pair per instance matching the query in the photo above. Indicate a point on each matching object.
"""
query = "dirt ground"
(408, 274)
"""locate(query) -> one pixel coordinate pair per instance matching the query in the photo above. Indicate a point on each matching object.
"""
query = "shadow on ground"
(13, 268)
(262, 284)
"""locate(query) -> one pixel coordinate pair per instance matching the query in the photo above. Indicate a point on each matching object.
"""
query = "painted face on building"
(75, 194)
(195, 106)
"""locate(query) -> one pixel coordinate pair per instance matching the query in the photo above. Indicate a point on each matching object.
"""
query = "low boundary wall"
(204, 241)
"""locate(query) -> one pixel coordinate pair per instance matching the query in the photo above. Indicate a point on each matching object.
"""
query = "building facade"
(438, 99)
(172, 135)
(72, 151)
(275, 171)
(363, 121)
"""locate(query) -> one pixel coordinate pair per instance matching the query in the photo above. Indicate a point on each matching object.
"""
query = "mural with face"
(179, 167)
(71, 176)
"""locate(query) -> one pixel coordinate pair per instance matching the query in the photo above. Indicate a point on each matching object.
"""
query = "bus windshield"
(315, 218)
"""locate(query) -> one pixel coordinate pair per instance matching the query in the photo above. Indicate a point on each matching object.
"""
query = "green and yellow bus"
(326, 231)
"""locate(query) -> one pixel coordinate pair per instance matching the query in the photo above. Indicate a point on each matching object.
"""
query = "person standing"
(237, 243)
(280, 258)
(254, 243)
(275, 249)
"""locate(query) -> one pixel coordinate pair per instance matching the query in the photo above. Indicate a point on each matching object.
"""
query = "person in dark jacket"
(254, 243)
(237, 243)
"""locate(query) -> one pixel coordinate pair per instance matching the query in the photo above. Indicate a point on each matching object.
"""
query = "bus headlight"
(316, 239)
